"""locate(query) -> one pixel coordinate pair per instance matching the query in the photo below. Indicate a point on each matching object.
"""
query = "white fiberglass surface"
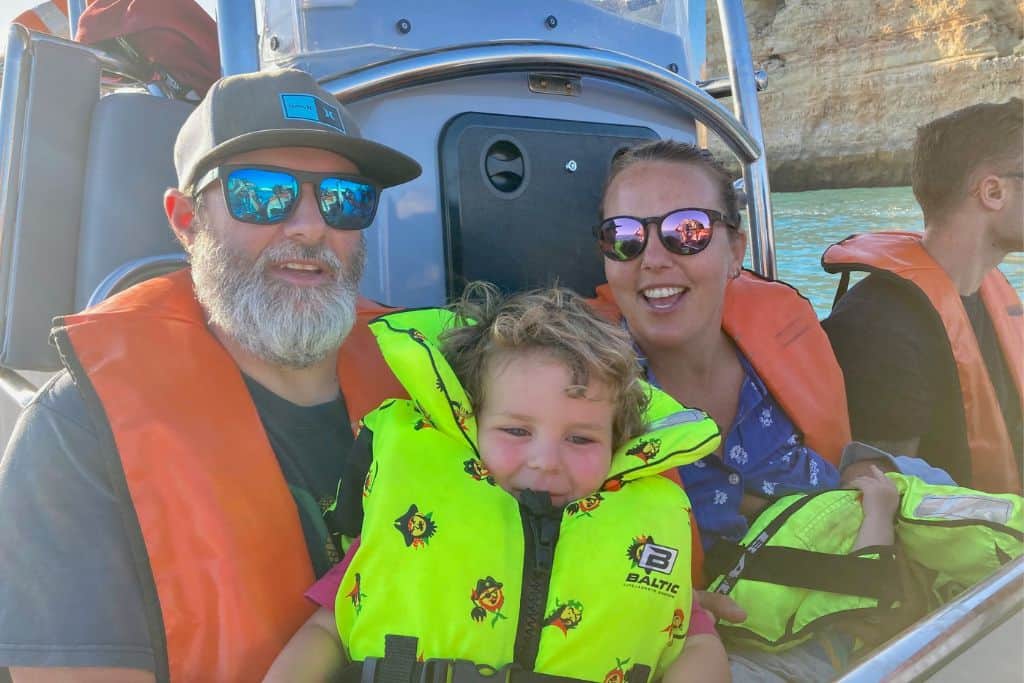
(326, 37)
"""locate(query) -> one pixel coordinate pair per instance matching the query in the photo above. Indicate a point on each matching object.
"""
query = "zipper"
(541, 526)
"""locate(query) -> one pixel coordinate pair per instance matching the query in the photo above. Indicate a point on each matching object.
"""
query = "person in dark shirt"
(903, 365)
(258, 321)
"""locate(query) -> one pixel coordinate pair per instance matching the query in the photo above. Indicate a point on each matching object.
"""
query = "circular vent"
(504, 166)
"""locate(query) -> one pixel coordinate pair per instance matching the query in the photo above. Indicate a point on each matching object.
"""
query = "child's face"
(533, 435)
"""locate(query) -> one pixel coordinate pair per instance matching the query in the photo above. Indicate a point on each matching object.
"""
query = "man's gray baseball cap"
(283, 108)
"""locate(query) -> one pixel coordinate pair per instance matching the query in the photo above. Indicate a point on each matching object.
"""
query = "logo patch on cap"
(311, 108)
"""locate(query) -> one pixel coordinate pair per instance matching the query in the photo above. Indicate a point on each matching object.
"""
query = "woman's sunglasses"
(681, 231)
(266, 195)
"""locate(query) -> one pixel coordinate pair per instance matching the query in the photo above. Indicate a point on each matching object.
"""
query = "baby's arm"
(703, 659)
(314, 653)
(880, 499)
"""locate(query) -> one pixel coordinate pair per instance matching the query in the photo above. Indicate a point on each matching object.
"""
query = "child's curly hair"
(555, 321)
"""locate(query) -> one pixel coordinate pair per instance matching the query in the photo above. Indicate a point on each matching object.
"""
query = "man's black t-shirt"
(901, 381)
(312, 444)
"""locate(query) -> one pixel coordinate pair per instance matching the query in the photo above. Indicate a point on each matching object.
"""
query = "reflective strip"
(55, 20)
(965, 507)
(681, 417)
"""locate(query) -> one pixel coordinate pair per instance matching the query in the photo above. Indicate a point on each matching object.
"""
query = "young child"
(510, 512)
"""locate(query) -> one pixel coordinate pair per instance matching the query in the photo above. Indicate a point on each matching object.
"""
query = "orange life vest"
(779, 333)
(993, 464)
(222, 540)
(47, 17)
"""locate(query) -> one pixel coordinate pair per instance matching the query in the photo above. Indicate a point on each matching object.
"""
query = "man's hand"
(721, 606)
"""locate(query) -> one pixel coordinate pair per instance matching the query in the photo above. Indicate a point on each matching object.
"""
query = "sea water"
(806, 223)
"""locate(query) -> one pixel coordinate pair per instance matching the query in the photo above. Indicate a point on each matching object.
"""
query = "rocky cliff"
(848, 82)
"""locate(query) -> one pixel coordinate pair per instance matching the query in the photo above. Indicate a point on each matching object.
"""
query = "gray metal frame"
(755, 173)
(134, 272)
(501, 57)
(745, 139)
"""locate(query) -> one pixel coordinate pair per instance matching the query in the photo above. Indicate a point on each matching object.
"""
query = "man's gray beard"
(284, 324)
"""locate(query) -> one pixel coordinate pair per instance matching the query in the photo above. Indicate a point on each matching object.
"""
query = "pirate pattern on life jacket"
(447, 555)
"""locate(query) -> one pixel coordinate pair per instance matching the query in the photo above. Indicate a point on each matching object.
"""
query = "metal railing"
(134, 272)
(721, 87)
(755, 173)
(522, 56)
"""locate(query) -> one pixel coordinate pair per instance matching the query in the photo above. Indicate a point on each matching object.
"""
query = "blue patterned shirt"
(763, 455)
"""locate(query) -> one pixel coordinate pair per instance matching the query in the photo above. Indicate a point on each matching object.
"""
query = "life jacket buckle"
(460, 671)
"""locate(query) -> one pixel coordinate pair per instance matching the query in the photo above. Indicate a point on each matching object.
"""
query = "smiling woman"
(698, 321)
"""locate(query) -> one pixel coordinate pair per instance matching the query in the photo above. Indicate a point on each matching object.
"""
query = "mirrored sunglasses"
(266, 195)
(681, 231)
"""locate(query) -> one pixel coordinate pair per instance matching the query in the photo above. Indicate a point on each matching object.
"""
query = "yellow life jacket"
(475, 574)
(795, 575)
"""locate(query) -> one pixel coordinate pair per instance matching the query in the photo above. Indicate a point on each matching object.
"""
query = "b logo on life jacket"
(645, 554)
(416, 528)
(651, 557)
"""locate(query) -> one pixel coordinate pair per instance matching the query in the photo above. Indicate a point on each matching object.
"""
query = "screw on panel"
(275, 43)
(551, 21)
(673, 67)
(571, 166)
(403, 26)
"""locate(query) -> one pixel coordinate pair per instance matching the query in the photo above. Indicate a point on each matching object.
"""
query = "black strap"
(398, 663)
(844, 284)
(844, 574)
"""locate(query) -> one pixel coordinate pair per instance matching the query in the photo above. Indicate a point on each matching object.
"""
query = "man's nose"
(306, 224)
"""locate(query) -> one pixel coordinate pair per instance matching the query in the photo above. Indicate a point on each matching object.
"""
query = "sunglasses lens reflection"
(261, 196)
(347, 204)
(622, 239)
(686, 232)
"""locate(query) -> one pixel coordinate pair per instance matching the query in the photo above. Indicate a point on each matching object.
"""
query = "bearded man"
(161, 497)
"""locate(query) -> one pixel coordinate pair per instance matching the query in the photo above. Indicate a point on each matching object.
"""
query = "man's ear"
(991, 192)
(181, 214)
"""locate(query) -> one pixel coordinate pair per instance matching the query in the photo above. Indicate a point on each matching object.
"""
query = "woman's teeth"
(662, 292)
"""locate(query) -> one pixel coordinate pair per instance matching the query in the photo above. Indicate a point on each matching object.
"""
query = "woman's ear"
(738, 248)
(181, 214)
